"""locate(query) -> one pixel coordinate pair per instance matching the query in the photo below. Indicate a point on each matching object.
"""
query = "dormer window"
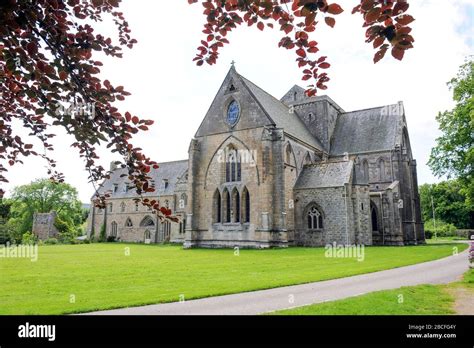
(115, 188)
(165, 184)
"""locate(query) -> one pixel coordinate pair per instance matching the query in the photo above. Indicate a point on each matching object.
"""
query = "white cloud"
(168, 87)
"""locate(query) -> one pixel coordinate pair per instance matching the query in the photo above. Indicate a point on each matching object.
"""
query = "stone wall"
(43, 225)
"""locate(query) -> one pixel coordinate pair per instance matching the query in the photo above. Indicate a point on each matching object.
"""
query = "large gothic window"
(233, 168)
(315, 219)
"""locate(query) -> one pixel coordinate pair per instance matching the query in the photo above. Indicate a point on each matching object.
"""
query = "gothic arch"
(381, 169)
(374, 217)
(226, 206)
(365, 170)
(147, 222)
(114, 229)
(128, 222)
(217, 207)
(314, 217)
(235, 205)
(245, 205)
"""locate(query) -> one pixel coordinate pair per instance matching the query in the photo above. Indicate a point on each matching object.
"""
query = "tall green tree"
(44, 196)
(453, 154)
(450, 203)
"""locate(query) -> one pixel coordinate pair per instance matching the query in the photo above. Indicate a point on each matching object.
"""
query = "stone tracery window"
(113, 233)
(147, 221)
(315, 219)
(233, 166)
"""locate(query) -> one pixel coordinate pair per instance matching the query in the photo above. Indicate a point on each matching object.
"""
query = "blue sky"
(167, 86)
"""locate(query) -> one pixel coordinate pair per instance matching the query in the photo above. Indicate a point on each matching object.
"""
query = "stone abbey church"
(264, 172)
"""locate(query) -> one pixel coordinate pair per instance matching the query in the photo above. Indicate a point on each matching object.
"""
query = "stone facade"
(43, 225)
(264, 172)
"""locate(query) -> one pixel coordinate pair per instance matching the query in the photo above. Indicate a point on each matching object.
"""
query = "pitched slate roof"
(281, 116)
(171, 171)
(325, 174)
(367, 130)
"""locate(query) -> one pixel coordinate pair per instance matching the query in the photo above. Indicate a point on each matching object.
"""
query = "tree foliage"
(386, 22)
(453, 154)
(44, 196)
(450, 202)
(49, 77)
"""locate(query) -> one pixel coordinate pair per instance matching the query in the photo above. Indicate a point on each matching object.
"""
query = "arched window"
(147, 222)
(315, 219)
(233, 166)
(217, 207)
(113, 231)
(184, 200)
(226, 205)
(122, 207)
(136, 206)
(147, 234)
(245, 205)
(365, 170)
(381, 170)
(128, 223)
(235, 205)
(373, 215)
(111, 207)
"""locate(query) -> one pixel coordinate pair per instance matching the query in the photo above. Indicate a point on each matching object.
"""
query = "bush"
(51, 241)
(29, 238)
(442, 229)
(111, 239)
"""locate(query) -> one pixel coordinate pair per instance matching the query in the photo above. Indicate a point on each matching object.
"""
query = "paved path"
(440, 271)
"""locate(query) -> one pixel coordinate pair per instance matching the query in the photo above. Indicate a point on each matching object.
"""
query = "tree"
(44, 196)
(453, 154)
(386, 21)
(47, 51)
(450, 202)
(47, 58)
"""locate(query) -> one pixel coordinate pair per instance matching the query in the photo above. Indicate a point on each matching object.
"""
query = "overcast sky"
(169, 88)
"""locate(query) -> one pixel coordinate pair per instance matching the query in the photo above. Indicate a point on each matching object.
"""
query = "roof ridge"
(372, 108)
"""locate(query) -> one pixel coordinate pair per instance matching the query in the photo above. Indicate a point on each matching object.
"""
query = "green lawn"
(101, 276)
(410, 300)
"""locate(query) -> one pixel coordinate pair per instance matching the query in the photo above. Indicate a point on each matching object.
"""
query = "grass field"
(81, 278)
(410, 300)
